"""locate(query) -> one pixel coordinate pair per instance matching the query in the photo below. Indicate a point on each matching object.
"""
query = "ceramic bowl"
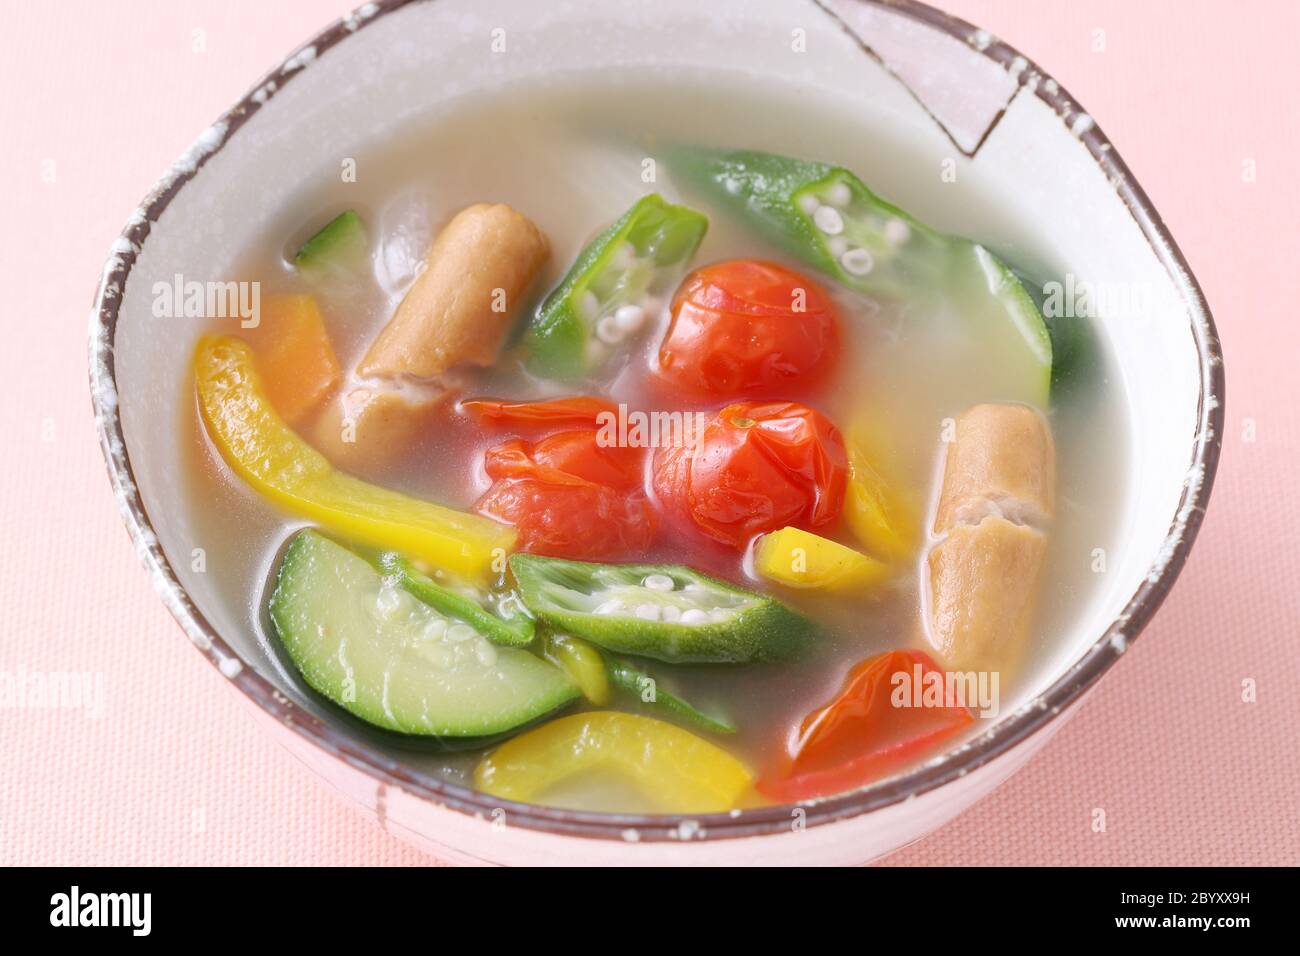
(1012, 136)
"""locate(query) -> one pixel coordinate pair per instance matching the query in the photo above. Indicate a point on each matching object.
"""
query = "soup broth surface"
(572, 157)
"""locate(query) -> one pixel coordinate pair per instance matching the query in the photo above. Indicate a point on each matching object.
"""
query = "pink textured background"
(1186, 772)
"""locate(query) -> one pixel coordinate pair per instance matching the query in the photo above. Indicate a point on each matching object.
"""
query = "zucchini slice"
(360, 639)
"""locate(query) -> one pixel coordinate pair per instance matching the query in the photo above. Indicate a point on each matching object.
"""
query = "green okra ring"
(617, 282)
(666, 612)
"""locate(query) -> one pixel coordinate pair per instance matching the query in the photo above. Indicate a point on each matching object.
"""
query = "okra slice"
(667, 612)
(824, 215)
(515, 630)
(614, 288)
(646, 689)
(595, 673)
(828, 217)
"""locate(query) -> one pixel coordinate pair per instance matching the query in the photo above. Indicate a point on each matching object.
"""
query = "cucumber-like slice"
(516, 631)
(361, 640)
(668, 612)
(607, 296)
(340, 246)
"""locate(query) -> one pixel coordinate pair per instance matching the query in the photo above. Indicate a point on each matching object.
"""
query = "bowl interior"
(1027, 181)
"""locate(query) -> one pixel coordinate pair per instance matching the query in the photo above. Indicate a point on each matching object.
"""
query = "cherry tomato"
(578, 452)
(570, 497)
(874, 726)
(748, 328)
(575, 410)
(756, 467)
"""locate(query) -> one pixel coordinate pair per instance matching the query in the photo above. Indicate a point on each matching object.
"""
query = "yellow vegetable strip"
(801, 559)
(678, 771)
(283, 468)
(880, 515)
(582, 662)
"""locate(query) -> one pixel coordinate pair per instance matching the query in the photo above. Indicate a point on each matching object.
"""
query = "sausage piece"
(1001, 460)
(364, 428)
(984, 580)
(984, 574)
(459, 310)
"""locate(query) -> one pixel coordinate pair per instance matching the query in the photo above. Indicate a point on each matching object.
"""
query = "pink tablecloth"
(98, 98)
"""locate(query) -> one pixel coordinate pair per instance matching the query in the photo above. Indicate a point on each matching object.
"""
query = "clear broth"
(571, 158)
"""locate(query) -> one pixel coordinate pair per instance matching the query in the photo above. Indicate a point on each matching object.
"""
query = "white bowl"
(1016, 138)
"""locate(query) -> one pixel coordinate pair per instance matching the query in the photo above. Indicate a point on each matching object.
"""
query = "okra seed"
(648, 612)
(829, 220)
(624, 256)
(609, 331)
(629, 318)
(658, 582)
(588, 305)
(485, 652)
(809, 203)
(857, 261)
(694, 616)
(460, 632)
(609, 607)
(839, 194)
(838, 246)
(897, 231)
(392, 601)
(672, 613)
(435, 630)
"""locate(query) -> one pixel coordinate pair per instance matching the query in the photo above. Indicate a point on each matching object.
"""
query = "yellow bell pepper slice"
(881, 517)
(283, 468)
(582, 662)
(801, 559)
(674, 769)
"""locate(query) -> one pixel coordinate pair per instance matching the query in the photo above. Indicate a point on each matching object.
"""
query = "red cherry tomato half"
(757, 467)
(570, 497)
(580, 453)
(886, 715)
(746, 327)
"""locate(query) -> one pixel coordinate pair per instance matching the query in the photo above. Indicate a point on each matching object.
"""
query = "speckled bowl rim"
(345, 746)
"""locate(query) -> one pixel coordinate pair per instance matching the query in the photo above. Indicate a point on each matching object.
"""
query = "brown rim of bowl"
(388, 772)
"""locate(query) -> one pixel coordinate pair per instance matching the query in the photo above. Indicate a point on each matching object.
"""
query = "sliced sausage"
(1001, 460)
(985, 572)
(459, 311)
(365, 428)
